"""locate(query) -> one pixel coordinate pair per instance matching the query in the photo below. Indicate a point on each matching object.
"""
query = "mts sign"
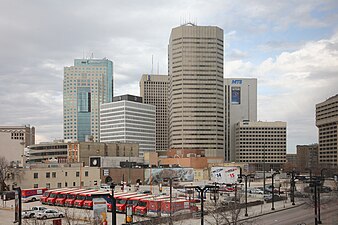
(236, 82)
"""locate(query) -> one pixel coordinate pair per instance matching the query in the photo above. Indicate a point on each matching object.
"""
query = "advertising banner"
(100, 210)
(224, 175)
(156, 175)
(235, 95)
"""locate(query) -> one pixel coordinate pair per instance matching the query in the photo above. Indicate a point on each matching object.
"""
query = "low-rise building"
(307, 157)
(57, 176)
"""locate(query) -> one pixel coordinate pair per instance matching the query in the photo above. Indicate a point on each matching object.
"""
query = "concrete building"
(129, 120)
(196, 89)
(307, 157)
(44, 152)
(82, 152)
(13, 140)
(57, 176)
(154, 91)
(261, 144)
(327, 123)
(240, 95)
(86, 85)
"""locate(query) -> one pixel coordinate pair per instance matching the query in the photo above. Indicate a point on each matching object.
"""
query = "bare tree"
(4, 173)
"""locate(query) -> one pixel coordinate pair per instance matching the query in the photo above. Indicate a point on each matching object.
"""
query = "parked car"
(33, 211)
(299, 194)
(49, 213)
(256, 191)
(325, 189)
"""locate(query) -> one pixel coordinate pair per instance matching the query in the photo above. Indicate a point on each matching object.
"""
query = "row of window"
(53, 174)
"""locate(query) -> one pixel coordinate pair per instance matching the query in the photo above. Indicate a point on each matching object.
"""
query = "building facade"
(86, 85)
(240, 103)
(129, 120)
(13, 140)
(81, 152)
(45, 152)
(307, 157)
(327, 123)
(196, 88)
(57, 176)
(261, 144)
(154, 91)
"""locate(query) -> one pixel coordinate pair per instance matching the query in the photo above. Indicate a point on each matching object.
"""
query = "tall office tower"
(128, 120)
(261, 144)
(327, 123)
(240, 95)
(307, 157)
(154, 91)
(86, 85)
(196, 109)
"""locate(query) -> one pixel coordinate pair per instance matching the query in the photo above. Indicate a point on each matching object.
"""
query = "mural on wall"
(156, 175)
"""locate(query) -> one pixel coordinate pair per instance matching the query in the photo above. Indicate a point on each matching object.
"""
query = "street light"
(293, 186)
(273, 191)
(113, 204)
(319, 189)
(202, 191)
(246, 189)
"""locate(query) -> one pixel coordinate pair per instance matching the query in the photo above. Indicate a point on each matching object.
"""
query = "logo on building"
(236, 82)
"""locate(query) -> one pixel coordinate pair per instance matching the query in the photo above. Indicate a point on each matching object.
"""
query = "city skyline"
(291, 49)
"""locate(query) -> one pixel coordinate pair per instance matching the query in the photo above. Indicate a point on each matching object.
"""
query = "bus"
(121, 201)
(134, 201)
(151, 205)
(43, 198)
(32, 195)
(116, 195)
(62, 196)
(54, 194)
(71, 197)
(88, 203)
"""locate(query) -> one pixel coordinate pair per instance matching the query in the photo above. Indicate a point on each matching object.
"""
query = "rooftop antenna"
(152, 64)
(158, 67)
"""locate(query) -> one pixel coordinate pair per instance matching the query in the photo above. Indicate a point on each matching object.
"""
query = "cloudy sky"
(290, 46)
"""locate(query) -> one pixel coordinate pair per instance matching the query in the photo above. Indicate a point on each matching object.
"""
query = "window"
(77, 174)
(36, 175)
(48, 175)
(66, 174)
(86, 173)
(36, 185)
(54, 174)
(59, 185)
(48, 185)
(74, 184)
(66, 184)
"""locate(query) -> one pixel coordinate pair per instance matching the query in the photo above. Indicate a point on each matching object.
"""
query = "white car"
(256, 191)
(49, 213)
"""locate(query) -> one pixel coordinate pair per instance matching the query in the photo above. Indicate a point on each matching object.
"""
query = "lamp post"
(273, 191)
(113, 204)
(202, 191)
(313, 184)
(293, 185)
(319, 189)
(246, 190)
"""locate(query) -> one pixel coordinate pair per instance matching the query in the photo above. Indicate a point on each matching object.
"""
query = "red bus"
(134, 201)
(177, 206)
(71, 197)
(53, 196)
(32, 195)
(121, 201)
(61, 198)
(46, 194)
(150, 205)
(118, 194)
(88, 203)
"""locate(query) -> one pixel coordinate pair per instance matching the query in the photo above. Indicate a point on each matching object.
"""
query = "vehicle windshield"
(71, 196)
(80, 197)
(52, 195)
(62, 196)
(45, 194)
(143, 204)
(135, 202)
(121, 201)
(89, 198)
(130, 202)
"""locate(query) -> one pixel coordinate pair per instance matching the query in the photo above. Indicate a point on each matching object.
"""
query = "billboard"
(156, 175)
(225, 174)
(100, 210)
(235, 95)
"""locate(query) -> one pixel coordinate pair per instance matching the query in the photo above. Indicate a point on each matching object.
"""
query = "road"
(302, 215)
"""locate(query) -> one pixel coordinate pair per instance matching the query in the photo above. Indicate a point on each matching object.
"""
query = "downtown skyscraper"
(86, 85)
(196, 89)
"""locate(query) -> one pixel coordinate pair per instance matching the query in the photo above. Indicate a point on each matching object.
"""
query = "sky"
(290, 46)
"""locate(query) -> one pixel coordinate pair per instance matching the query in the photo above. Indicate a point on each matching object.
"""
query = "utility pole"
(273, 191)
